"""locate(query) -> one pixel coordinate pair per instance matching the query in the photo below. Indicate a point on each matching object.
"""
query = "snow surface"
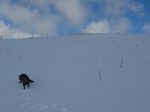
(79, 73)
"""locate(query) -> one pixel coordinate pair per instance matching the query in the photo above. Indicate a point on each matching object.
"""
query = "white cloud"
(121, 25)
(8, 32)
(97, 27)
(42, 5)
(146, 28)
(136, 8)
(120, 7)
(20, 35)
(71, 10)
(113, 7)
(35, 16)
(114, 19)
(5, 30)
(29, 20)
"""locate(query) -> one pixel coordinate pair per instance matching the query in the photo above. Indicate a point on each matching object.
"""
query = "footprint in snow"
(37, 106)
(54, 105)
(44, 107)
(64, 109)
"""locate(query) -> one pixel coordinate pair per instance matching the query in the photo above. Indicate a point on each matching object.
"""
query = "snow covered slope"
(79, 73)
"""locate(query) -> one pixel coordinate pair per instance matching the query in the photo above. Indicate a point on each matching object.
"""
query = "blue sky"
(64, 17)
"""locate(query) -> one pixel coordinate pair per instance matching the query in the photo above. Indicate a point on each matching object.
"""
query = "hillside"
(79, 73)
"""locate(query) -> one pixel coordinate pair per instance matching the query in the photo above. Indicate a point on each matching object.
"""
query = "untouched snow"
(80, 73)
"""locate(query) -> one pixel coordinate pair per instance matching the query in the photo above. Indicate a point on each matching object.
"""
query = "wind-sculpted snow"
(79, 73)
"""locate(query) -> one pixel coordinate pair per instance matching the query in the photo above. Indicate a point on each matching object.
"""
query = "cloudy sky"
(64, 17)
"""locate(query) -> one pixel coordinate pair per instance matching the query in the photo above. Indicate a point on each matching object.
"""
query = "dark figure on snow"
(25, 80)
